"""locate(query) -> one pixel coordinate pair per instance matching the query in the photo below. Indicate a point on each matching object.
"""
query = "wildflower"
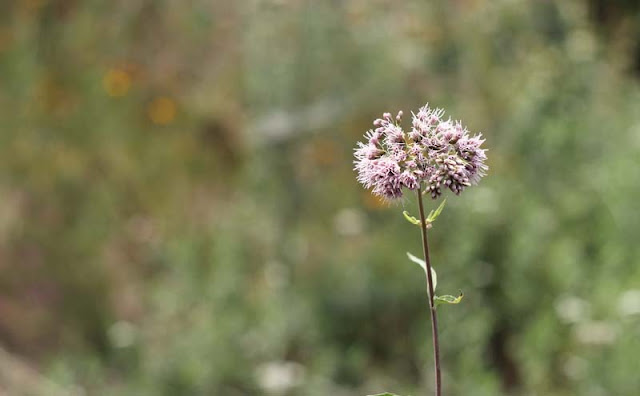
(437, 152)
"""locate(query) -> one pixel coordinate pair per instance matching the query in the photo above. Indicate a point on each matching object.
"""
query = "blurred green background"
(179, 214)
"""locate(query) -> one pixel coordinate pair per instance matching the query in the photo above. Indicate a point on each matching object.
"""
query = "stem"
(432, 308)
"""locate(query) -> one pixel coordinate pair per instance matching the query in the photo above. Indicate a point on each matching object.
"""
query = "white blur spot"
(595, 333)
(629, 303)
(484, 200)
(349, 222)
(581, 45)
(575, 367)
(571, 309)
(278, 377)
(122, 334)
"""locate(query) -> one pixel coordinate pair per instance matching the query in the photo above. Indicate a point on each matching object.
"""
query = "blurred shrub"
(180, 216)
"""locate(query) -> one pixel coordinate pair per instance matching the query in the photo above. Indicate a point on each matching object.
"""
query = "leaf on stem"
(420, 262)
(434, 215)
(448, 299)
(384, 394)
(410, 218)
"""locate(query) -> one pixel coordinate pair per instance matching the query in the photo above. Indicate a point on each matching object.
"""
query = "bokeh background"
(179, 214)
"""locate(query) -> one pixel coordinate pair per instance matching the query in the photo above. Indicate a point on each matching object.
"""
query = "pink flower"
(438, 152)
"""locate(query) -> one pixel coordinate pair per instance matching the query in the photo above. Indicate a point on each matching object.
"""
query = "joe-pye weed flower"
(436, 151)
(434, 155)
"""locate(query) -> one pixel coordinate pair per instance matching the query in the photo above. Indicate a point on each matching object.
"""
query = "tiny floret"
(437, 152)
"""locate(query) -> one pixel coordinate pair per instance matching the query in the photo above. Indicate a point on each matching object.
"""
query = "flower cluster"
(436, 151)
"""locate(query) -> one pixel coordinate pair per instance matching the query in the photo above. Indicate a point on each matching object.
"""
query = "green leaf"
(420, 262)
(384, 394)
(447, 299)
(434, 215)
(410, 218)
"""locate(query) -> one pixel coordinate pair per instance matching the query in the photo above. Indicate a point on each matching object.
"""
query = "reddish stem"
(432, 308)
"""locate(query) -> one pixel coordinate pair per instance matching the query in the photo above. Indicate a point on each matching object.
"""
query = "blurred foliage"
(179, 215)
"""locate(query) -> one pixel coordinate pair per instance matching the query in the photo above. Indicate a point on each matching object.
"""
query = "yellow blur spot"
(324, 152)
(116, 82)
(5, 39)
(162, 110)
(374, 202)
(33, 5)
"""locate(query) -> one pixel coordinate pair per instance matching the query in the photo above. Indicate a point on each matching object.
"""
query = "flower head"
(437, 152)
